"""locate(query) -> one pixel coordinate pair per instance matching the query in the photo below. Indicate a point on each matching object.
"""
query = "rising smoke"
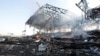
(47, 19)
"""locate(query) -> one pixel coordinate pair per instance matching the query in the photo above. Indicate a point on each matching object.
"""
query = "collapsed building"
(61, 33)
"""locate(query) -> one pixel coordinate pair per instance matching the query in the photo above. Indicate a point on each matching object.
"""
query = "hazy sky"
(14, 13)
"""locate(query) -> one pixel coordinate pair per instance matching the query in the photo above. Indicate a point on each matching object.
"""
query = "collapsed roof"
(49, 17)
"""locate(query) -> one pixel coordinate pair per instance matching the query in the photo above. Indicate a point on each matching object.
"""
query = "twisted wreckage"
(50, 41)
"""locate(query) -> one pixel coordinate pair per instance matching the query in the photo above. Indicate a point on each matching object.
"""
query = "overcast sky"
(14, 13)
